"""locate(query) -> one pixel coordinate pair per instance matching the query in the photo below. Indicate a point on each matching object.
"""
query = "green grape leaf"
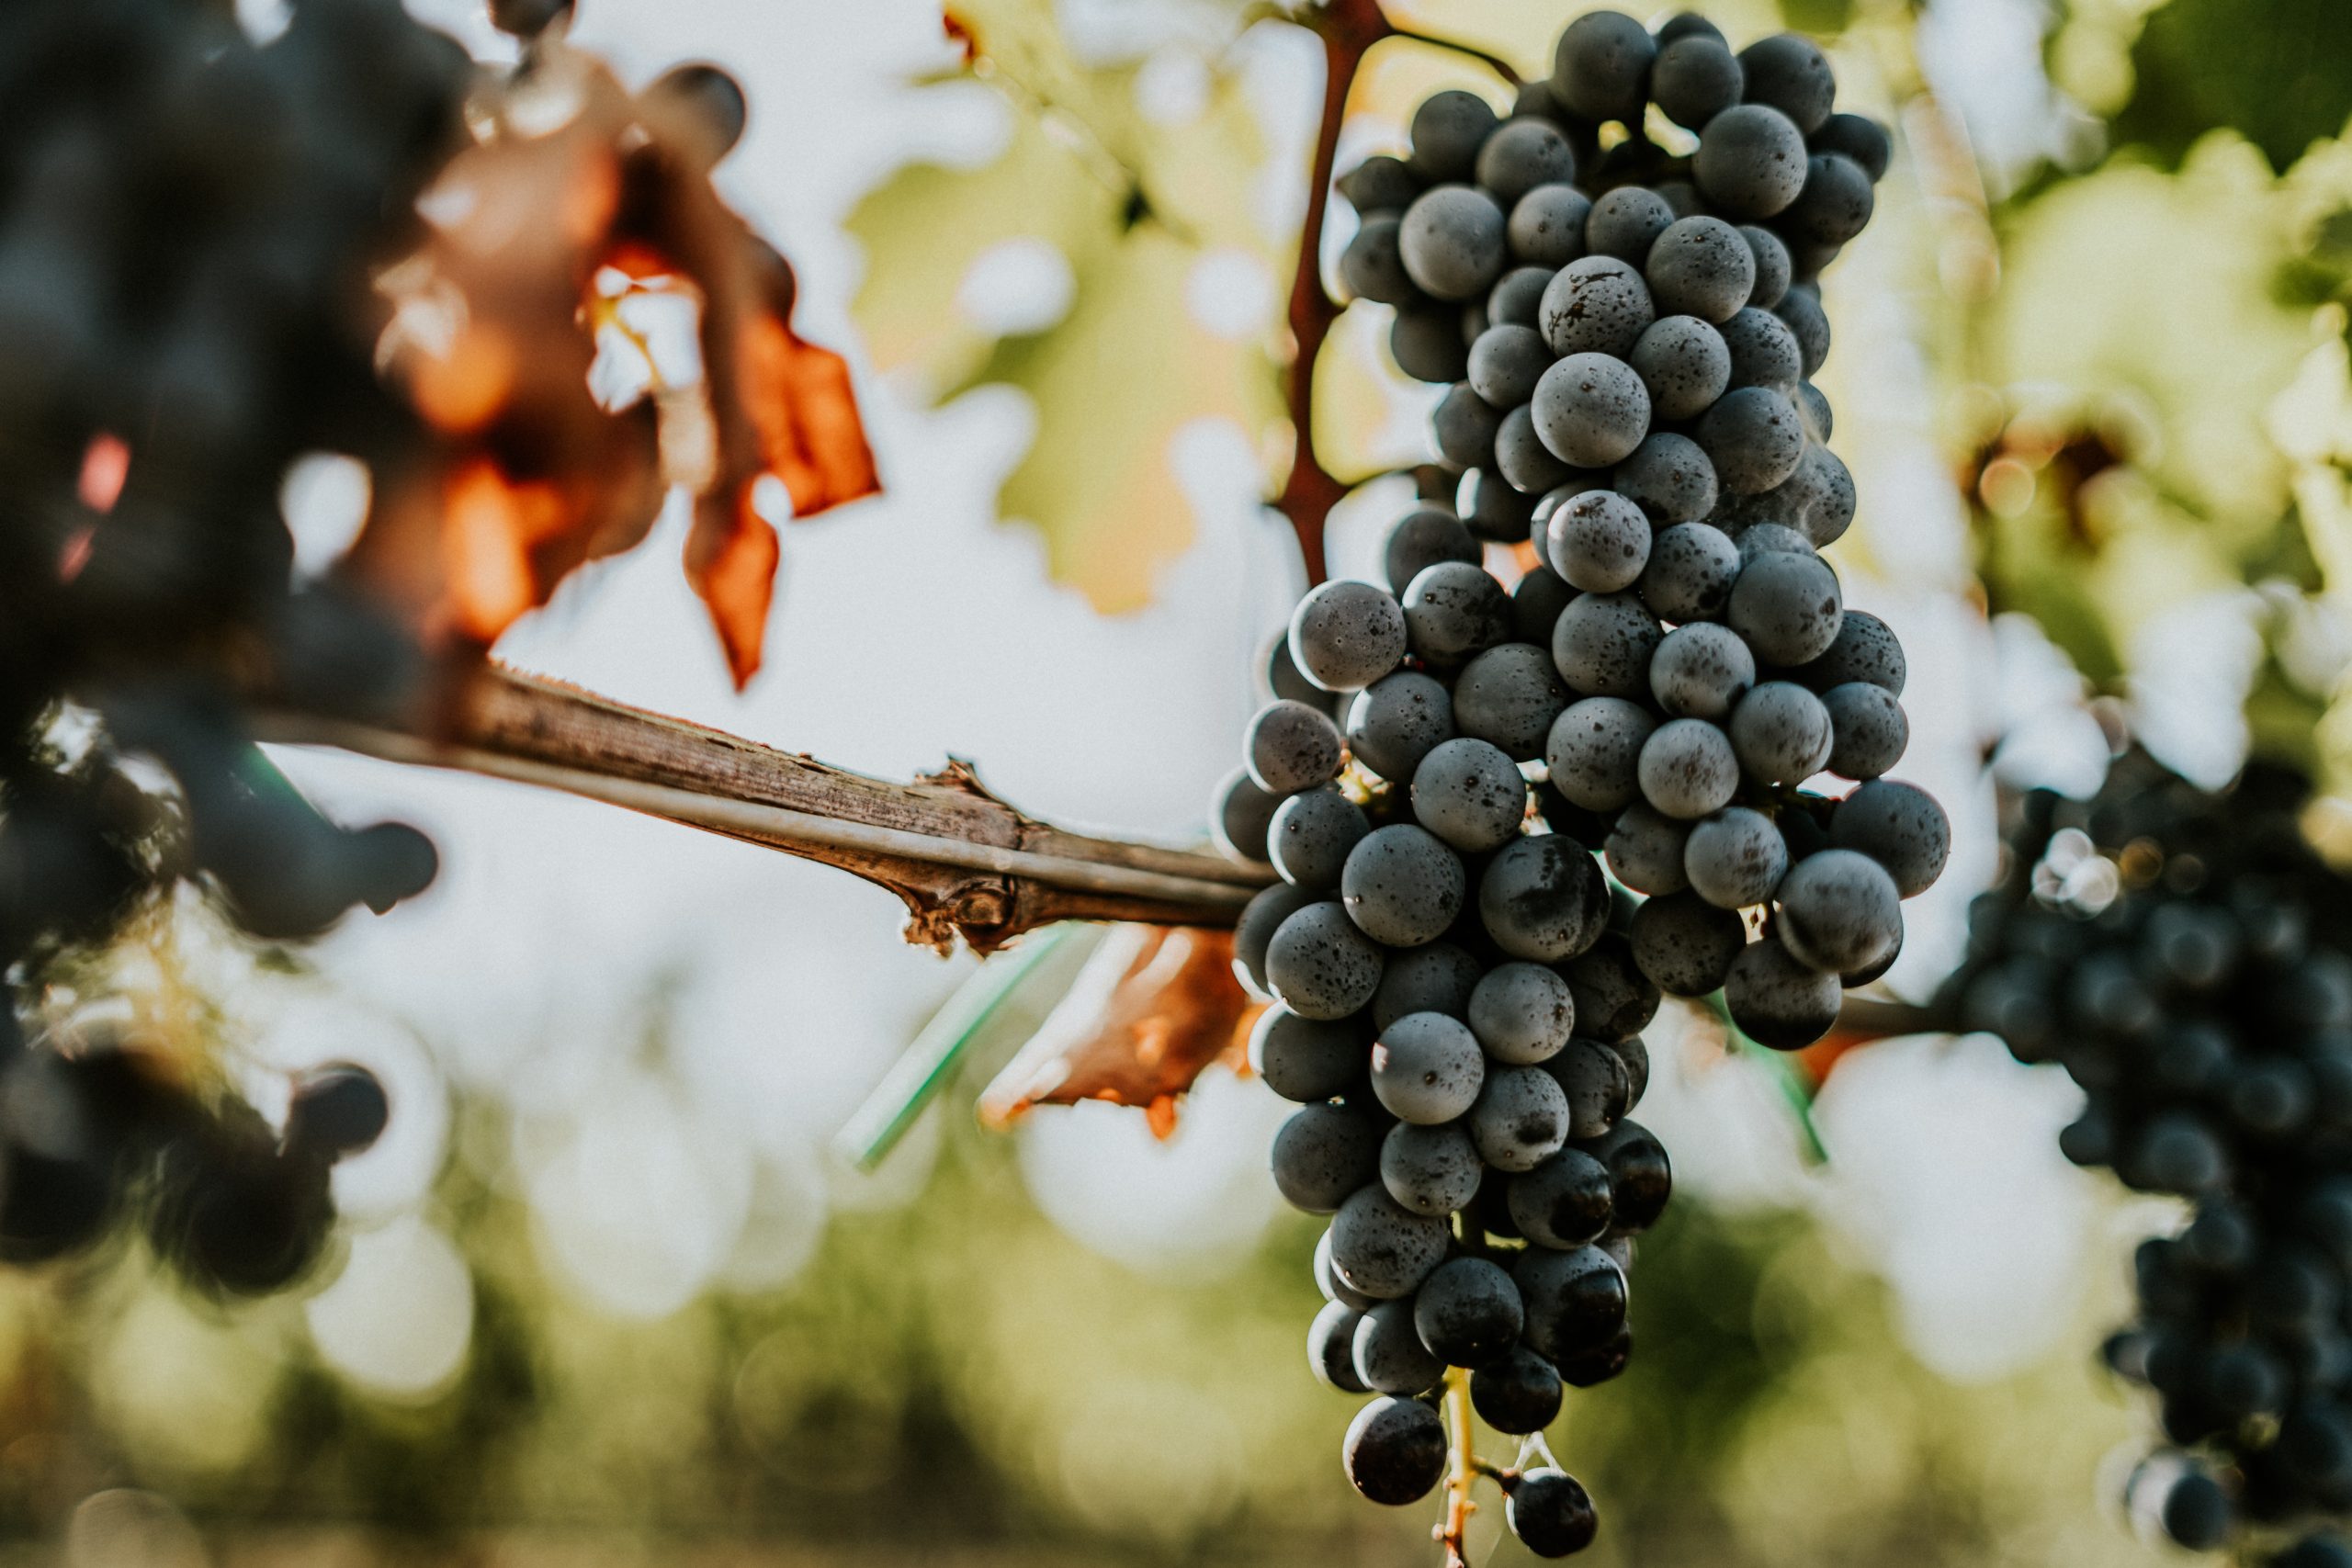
(1136, 207)
(2156, 388)
(2274, 70)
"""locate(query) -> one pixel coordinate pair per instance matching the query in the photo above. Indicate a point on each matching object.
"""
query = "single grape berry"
(1450, 240)
(1781, 733)
(1788, 607)
(1788, 71)
(1398, 720)
(1324, 1154)
(1701, 671)
(1870, 728)
(1311, 836)
(1516, 298)
(1521, 1013)
(1753, 438)
(1778, 1000)
(1684, 364)
(1291, 746)
(1551, 1512)
(1601, 67)
(1379, 184)
(1593, 750)
(1546, 226)
(1470, 794)
(1751, 160)
(1574, 1299)
(1838, 911)
(1330, 1348)
(1775, 269)
(1563, 1202)
(1596, 1083)
(1381, 1247)
(1320, 964)
(1522, 153)
(1695, 79)
(1468, 1313)
(1259, 918)
(1670, 478)
(1389, 1353)
(1736, 858)
(1646, 849)
(1685, 945)
(1596, 304)
(1401, 887)
(1344, 635)
(1510, 696)
(1519, 1393)
(1429, 534)
(1435, 978)
(1394, 1450)
(1762, 352)
(1371, 268)
(1453, 610)
(1430, 1170)
(1520, 1119)
(1240, 816)
(1542, 899)
(1427, 1070)
(1686, 769)
(1447, 132)
(1626, 222)
(1306, 1060)
(1597, 542)
(1590, 410)
(1602, 643)
(1700, 266)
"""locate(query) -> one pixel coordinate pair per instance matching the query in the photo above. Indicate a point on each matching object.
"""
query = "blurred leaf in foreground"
(527, 331)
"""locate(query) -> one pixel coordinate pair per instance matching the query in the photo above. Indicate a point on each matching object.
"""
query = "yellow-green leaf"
(1135, 208)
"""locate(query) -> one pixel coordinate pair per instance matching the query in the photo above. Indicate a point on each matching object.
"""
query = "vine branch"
(1348, 29)
(1494, 62)
(966, 862)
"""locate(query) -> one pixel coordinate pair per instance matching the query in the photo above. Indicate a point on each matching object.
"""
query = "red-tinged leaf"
(732, 565)
(798, 396)
(578, 203)
(1152, 1007)
(959, 33)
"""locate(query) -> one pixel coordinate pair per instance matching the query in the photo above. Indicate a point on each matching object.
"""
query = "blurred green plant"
(1134, 208)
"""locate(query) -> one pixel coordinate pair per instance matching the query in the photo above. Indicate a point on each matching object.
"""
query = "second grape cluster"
(1448, 761)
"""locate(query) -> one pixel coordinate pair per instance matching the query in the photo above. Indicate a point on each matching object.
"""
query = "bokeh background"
(607, 1295)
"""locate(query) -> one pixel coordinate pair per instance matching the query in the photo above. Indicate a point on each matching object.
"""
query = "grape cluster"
(1458, 990)
(1632, 320)
(2186, 958)
(190, 222)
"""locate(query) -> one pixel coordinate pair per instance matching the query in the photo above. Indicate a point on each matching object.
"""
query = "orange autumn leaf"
(735, 573)
(577, 202)
(1152, 1007)
(798, 397)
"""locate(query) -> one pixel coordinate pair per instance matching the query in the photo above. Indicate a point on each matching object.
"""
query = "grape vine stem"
(1464, 1469)
(966, 862)
(1348, 29)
